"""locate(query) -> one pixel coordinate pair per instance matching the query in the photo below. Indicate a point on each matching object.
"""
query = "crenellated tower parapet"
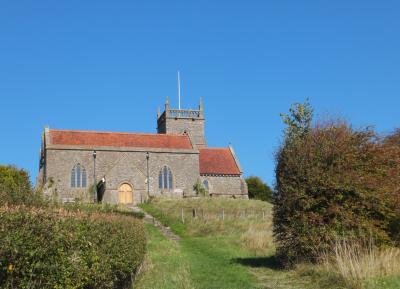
(178, 121)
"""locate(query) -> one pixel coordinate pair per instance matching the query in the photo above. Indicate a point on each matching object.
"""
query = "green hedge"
(334, 182)
(16, 188)
(61, 248)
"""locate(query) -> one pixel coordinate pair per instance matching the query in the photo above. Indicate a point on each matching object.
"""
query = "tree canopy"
(258, 189)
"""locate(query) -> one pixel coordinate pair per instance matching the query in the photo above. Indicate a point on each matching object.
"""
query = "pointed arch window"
(78, 177)
(165, 179)
(206, 185)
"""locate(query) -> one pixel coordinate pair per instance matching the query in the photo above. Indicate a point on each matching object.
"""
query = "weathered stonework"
(226, 186)
(135, 165)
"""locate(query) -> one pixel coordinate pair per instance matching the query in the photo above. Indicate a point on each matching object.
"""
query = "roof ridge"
(117, 132)
(224, 148)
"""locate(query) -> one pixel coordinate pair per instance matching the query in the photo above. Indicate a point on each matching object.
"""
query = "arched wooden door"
(125, 194)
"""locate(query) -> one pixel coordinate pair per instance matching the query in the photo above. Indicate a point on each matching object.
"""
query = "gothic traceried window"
(165, 179)
(78, 177)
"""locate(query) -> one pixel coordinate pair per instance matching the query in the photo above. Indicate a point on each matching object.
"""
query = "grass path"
(191, 263)
(207, 262)
(165, 265)
(231, 253)
(212, 265)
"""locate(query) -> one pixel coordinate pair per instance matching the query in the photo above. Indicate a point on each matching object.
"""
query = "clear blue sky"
(108, 65)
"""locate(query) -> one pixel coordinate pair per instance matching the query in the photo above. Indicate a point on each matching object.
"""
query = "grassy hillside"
(228, 244)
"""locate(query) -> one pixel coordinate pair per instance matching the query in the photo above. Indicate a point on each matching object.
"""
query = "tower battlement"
(177, 121)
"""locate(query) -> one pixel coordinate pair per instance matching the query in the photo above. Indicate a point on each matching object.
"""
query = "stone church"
(128, 168)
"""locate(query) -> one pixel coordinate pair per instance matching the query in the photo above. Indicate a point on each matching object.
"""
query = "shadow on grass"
(270, 262)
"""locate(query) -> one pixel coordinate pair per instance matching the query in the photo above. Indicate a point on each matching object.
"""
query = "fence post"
(263, 215)
(182, 217)
(194, 213)
(223, 215)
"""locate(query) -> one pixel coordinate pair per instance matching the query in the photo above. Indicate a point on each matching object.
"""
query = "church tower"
(178, 121)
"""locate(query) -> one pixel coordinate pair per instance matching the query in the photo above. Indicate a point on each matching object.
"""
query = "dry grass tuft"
(356, 264)
(258, 237)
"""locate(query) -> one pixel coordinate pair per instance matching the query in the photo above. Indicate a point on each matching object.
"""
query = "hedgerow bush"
(392, 144)
(332, 182)
(16, 188)
(60, 248)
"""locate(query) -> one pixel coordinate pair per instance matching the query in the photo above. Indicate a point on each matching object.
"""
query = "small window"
(165, 179)
(206, 185)
(78, 177)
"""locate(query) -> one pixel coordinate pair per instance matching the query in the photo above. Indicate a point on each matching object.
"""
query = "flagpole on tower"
(179, 91)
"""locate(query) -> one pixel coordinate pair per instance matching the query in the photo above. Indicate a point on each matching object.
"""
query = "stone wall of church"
(194, 127)
(119, 167)
(226, 186)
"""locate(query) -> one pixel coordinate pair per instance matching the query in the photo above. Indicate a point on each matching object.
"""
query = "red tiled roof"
(218, 161)
(119, 139)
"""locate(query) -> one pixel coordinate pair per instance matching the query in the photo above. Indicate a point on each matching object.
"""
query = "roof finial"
(166, 106)
(179, 90)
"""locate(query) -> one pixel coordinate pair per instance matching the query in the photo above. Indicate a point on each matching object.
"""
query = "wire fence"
(190, 214)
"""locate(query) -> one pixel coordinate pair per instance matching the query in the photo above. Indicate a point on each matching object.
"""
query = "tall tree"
(258, 189)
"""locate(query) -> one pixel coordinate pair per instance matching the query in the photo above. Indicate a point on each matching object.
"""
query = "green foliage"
(298, 121)
(394, 229)
(60, 248)
(332, 182)
(102, 208)
(258, 189)
(200, 189)
(15, 187)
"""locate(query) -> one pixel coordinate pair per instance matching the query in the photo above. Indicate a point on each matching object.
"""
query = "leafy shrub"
(258, 189)
(15, 187)
(332, 182)
(394, 229)
(101, 208)
(199, 189)
(60, 248)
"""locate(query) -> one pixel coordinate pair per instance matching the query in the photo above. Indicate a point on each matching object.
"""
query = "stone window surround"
(169, 187)
(78, 176)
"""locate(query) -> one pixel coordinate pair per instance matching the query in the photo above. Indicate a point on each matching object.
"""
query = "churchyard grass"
(234, 252)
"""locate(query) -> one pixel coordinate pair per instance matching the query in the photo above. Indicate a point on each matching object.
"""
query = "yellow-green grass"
(355, 266)
(165, 265)
(233, 252)
(246, 223)
(234, 249)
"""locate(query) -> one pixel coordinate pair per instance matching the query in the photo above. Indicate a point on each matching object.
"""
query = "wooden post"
(202, 213)
(263, 215)
(194, 213)
(182, 217)
(223, 215)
